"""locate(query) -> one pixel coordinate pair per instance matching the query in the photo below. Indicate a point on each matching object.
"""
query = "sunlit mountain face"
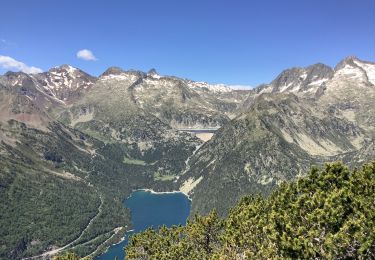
(73, 146)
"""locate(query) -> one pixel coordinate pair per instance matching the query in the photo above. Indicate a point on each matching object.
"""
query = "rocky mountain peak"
(112, 71)
(287, 77)
(15, 78)
(300, 80)
(317, 74)
(153, 73)
(118, 73)
(63, 68)
(15, 75)
(137, 73)
(64, 82)
(319, 69)
(350, 60)
(67, 72)
(352, 67)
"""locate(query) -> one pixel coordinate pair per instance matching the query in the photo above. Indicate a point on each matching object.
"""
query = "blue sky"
(234, 42)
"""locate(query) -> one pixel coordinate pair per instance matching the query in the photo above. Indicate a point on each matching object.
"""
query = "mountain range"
(304, 117)
(73, 146)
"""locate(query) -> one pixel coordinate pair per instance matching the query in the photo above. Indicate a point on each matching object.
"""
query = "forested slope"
(328, 214)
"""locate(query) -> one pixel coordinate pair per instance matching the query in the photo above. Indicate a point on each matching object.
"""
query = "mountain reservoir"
(203, 134)
(151, 209)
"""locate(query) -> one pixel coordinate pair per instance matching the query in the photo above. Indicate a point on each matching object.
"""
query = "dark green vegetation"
(53, 200)
(305, 117)
(64, 187)
(69, 256)
(264, 147)
(63, 176)
(73, 146)
(328, 214)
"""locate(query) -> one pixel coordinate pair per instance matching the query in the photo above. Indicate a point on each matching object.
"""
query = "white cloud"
(86, 55)
(7, 62)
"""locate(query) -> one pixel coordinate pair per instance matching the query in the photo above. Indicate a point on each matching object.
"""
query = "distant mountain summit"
(86, 142)
(153, 73)
(65, 82)
(303, 117)
(300, 80)
(112, 71)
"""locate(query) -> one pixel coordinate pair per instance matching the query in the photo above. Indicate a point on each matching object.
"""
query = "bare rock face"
(304, 117)
(65, 83)
(121, 131)
(86, 142)
(299, 81)
(177, 102)
(132, 107)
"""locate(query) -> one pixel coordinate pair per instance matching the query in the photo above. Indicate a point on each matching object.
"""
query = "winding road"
(49, 254)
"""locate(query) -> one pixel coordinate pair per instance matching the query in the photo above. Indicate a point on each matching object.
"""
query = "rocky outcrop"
(304, 117)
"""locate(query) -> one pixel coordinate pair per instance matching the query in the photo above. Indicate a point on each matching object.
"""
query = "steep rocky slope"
(76, 145)
(299, 80)
(56, 183)
(329, 214)
(110, 113)
(65, 82)
(178, 102)
(73, 146)
(305, 116)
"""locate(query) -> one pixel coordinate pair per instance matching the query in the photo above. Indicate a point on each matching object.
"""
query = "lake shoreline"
(141, 207)
(163, 192)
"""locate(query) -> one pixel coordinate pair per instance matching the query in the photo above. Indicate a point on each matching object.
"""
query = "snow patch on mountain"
(318, 82)
(349, 71)
(370, 70)
(285, 87)
(210, 87)
(119, 77)
(156, 76)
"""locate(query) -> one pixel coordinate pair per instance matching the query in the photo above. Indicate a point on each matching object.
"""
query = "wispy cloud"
(5, 44)
(86, 55)
(9, 63)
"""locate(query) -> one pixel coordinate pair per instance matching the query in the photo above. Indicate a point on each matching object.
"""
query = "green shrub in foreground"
(328, 214)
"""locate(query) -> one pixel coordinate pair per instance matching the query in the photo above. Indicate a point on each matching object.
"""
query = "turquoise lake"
(151, 210)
